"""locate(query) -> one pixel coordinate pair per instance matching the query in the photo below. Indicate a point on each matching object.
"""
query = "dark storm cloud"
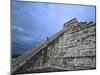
(33, 22)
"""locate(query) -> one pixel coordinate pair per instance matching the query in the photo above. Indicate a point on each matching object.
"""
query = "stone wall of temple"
(74, 49)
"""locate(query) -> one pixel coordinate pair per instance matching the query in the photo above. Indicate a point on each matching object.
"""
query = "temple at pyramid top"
(72, 21)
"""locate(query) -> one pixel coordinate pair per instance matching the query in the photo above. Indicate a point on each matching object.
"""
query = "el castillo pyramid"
(72, 48)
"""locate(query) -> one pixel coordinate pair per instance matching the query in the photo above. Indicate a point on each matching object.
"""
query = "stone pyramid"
(72, 48)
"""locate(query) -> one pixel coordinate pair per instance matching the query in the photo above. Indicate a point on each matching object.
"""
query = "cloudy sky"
(32, 22)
